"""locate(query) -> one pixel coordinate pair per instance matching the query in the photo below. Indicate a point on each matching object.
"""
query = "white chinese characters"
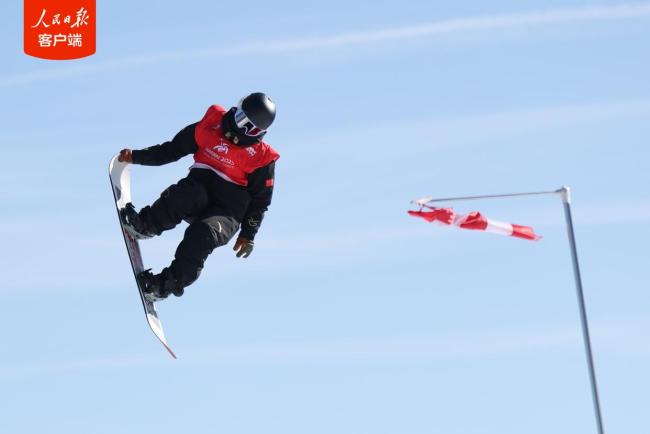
(71, 40)
(61, 38)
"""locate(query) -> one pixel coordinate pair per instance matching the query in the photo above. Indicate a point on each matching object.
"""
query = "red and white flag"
(474, 220)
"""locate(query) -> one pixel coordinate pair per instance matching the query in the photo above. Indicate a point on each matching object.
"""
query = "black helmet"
(247, 123)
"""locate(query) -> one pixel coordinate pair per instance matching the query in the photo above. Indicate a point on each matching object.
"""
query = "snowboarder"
(229, 185)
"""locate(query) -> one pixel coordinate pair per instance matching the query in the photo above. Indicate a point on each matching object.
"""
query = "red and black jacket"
(239, 178)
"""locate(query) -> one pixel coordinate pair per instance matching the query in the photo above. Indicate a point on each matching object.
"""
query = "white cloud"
(418, 31)
(619, 337)
(467, 131)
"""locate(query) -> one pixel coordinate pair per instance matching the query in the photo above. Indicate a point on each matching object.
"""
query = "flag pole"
(565, 193)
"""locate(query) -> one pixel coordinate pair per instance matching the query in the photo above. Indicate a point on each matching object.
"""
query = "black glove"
(243, 247)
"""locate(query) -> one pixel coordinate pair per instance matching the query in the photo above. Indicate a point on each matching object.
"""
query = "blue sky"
(350, 316)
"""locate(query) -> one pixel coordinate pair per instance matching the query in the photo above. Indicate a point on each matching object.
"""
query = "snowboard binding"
(133, 224)
(157, 287)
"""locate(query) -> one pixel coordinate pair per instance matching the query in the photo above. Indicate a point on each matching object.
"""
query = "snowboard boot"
(133, 224)
(158, 287)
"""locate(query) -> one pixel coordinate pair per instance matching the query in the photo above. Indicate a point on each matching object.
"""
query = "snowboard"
(120, 175)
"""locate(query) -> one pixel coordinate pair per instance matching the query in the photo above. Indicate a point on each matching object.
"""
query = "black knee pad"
(220, 232)
(201, 238)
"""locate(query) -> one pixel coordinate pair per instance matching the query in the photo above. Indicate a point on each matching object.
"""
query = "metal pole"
(565, 192)
(489, 196)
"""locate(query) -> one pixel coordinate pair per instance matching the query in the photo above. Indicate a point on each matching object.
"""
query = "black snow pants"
(211, 226)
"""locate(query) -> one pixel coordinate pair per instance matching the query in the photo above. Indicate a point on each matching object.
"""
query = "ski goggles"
(244, 123)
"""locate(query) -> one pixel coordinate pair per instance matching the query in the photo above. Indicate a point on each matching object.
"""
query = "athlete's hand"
(126, 156)
(243, 247)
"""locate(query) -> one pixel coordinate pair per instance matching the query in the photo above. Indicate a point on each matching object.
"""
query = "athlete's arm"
(260, 187)
(181, 145)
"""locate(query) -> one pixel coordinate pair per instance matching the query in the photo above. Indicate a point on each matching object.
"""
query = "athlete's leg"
(214, 229)
(185, 198)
